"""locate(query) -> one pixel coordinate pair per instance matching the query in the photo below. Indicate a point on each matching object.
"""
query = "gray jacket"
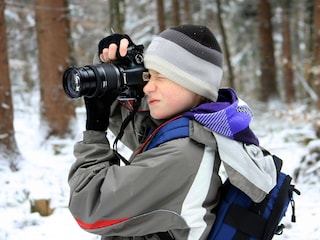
(173, 187)
(170, 188)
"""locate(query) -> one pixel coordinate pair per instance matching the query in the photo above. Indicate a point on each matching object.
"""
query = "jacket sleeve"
(142, 198)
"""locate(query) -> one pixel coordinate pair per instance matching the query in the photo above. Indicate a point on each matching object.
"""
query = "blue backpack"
(238, 217)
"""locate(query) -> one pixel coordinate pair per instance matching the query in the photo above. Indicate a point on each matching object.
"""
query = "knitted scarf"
(229, 116)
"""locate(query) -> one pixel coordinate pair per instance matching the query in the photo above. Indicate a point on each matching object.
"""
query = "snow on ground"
(44, 171)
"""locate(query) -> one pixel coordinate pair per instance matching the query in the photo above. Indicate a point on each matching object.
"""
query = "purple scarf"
(229, 117)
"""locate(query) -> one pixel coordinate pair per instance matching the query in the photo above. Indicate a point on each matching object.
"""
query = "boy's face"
(166, 98)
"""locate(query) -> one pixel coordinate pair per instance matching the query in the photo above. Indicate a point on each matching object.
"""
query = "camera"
(127, 76)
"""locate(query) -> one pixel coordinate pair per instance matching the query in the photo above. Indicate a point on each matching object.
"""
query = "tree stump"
(42, 206)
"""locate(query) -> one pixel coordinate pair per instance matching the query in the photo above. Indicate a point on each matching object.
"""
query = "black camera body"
(127, 76)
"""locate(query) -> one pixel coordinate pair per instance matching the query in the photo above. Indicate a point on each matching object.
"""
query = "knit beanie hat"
(190, 56)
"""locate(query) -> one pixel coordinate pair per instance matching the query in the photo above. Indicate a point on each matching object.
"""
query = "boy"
(169, 190)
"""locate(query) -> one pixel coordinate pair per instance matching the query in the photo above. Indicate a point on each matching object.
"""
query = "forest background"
(271, 48)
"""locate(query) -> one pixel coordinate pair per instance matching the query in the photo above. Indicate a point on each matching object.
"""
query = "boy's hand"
(109, 54)
(113, 47)
(98, 108)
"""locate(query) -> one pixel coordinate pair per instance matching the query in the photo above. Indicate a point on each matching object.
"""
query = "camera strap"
(122, 128)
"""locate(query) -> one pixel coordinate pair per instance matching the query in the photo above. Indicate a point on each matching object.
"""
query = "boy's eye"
(161, 77)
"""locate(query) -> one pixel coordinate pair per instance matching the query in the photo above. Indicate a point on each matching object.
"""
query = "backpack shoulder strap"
(179, 128)
(174, 128)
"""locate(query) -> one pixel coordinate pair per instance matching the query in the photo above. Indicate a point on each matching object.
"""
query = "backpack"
(238, 217)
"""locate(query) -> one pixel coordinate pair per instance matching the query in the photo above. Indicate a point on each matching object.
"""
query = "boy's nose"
(149, 87)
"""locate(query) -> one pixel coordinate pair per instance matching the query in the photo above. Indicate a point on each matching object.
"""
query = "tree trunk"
(187, 12)
(175, 13)
(267, 59)
(286, 53)
(316, 62)
(8, 146)
(54, 57)
(225, 45)
(160, 15)
(116, 16)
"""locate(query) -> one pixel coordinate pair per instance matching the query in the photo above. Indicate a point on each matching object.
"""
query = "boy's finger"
(112, 51)
(124, 43)
(104, 56)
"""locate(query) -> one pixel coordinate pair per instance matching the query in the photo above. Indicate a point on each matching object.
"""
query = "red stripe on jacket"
(100, 223)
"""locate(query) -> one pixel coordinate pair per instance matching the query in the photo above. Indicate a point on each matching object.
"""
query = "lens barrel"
(91, 80)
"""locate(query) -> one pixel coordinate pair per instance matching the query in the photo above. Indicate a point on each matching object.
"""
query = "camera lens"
(78, 82)
(91, 80)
